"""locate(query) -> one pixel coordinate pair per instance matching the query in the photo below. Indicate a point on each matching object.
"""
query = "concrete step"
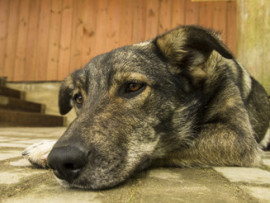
(3, 81)
(29, 119)
(21, 105)
(5, 91)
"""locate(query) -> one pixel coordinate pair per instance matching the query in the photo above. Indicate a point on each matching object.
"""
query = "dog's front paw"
(37, 153)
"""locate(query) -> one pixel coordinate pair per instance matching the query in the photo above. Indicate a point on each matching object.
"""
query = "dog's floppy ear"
(187, 47)
(65, 95)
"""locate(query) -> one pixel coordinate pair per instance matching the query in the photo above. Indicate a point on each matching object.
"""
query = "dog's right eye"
(78, 99)
(131, 89)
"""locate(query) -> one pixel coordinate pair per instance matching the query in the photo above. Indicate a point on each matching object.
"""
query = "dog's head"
(134, 105)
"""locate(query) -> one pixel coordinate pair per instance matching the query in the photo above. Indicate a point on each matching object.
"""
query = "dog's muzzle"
(67, 162)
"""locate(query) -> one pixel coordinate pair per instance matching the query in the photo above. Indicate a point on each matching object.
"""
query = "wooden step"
(5, 91)
(21, 105)
(9, 118)
(3, 81)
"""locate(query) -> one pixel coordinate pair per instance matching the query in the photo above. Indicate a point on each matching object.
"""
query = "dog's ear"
(188, 47)
(65, 95)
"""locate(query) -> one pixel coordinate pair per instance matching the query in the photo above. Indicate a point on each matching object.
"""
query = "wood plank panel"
(101, 27)
(165, 17)
(192, 13)
(89, 30)
(77, 35)
(63, 35)
(178, 13)
(151, 19)
(206, 15)
(65, 39)
(114, 25)
(219, 18)
(231, 24)
(139, 22)
(12, 37)
(54, 39)
(4, 8)
(43, 40)
(32, 42)
(126, 22)
(20, 59)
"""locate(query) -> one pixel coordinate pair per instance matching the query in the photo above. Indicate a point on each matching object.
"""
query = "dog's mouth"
(79, 167)
(83, 179)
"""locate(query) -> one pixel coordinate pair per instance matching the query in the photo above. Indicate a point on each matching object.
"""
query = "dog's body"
(179, 100)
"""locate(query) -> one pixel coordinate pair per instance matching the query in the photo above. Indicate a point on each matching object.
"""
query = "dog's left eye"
(131, 89)
(78, 99)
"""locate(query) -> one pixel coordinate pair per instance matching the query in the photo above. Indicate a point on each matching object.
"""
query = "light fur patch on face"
(138, 150)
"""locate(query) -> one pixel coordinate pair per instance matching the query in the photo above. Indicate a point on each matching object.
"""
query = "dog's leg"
(218, 145)
(37, 153)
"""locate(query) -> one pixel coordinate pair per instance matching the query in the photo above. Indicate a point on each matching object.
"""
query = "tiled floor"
(20, 182)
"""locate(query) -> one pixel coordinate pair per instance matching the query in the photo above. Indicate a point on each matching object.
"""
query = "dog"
(181, 99)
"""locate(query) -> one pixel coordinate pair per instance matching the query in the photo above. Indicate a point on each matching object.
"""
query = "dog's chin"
(101, 183)
(66, 184)
(89, 186)
(63, 182)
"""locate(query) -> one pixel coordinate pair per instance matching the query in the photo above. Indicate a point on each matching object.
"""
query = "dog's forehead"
(140, 58)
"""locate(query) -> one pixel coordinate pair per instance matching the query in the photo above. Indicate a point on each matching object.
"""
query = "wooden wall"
(44, 40)
(253, 48)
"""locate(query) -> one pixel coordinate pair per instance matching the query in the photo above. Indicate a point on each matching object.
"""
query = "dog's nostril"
(69, 166)
(67, 162)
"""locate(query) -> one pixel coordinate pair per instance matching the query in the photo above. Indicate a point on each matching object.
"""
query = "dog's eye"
(78, 99)
(131, 89)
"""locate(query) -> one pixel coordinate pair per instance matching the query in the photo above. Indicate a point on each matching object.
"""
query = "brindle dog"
(181, 99)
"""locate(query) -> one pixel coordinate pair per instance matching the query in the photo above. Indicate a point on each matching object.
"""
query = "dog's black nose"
(67, 162)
